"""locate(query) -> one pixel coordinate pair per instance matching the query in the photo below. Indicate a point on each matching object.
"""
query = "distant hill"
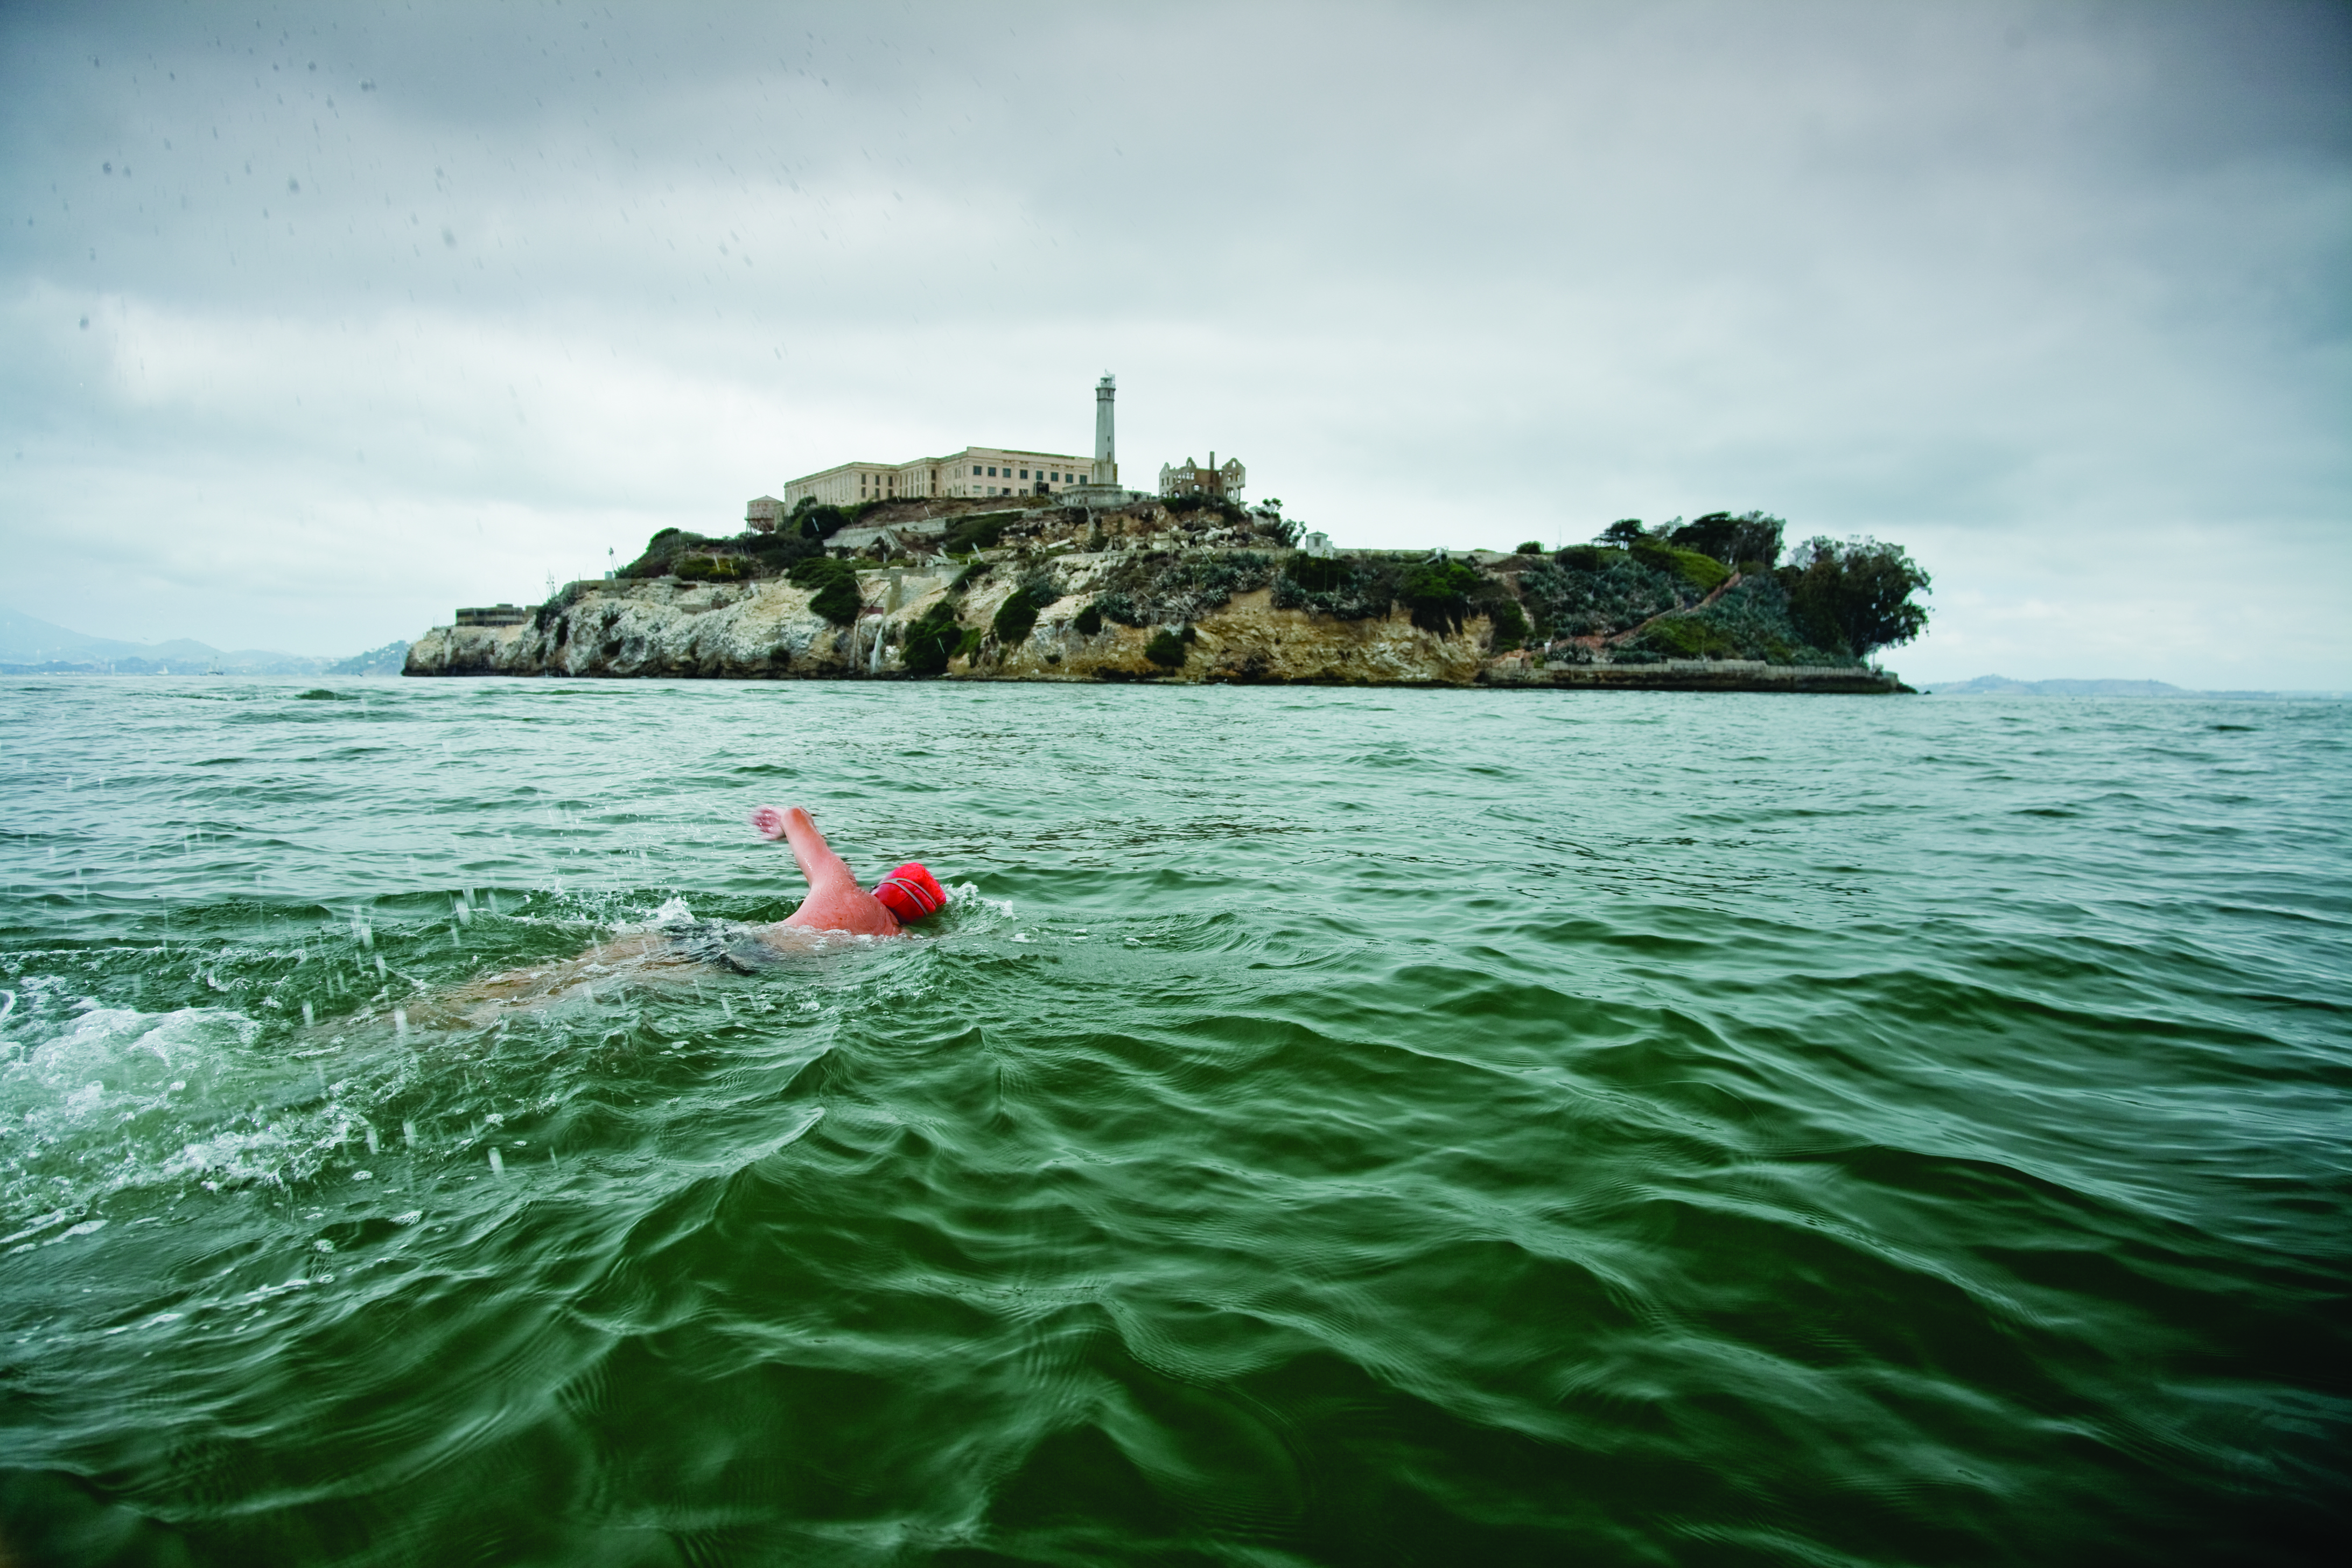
(27, 639)
(389, 660)
(2001, 685)
(30, 645)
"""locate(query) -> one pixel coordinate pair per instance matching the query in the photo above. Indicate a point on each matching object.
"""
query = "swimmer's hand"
(834, 901)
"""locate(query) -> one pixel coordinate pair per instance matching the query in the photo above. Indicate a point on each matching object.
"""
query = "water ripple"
(1359, 1128)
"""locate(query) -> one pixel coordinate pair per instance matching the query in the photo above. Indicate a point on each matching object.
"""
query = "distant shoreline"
(2155, 691)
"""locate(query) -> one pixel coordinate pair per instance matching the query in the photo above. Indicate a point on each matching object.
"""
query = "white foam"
(675, 912)
(970, 893)
(111, 1060)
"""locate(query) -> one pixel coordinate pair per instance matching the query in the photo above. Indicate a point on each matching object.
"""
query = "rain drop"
(498, 1167)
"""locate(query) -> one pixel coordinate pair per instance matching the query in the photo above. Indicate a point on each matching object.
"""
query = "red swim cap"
(910, 893)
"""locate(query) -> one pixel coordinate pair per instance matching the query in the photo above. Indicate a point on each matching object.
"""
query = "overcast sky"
(321, 321)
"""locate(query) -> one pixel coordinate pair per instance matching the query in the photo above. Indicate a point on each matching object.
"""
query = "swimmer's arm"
(819, 864)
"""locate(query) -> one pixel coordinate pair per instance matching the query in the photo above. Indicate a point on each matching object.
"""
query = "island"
(1196, 587)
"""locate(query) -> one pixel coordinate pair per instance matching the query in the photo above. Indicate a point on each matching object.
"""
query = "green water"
(1328, 1127)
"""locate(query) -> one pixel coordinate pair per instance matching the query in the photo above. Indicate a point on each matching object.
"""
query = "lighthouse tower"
(1106, 447)
(1102, 488)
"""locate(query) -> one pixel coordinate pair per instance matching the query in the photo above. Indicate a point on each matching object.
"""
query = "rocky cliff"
(1137, 597)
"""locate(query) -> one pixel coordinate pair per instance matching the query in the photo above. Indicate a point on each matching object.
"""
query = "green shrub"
(1578, 557)
(1680, 637)
(1346, 588)
(1702, 571)
(1532, 547)
(821, 521)
(1625, 531)
(1438, 593)
(1316, 573)
(967, 644)
(1088, 621)
(1166, 649)
(777, 553)
(662, 552)
(1231, 511)
(932, 639)
(1274, 527)
(1016, 618)
(833, 586)
(1018, 614)
(1510, 624)
(980, 530)
(712, 568)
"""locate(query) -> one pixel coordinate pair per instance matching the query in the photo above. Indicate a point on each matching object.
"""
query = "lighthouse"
(1106, 445)
(1102, 487)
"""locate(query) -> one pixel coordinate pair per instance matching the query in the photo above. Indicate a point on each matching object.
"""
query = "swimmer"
(835, 905)
(834, 901)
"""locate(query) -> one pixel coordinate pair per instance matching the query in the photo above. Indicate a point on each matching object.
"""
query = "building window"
(1025, 473)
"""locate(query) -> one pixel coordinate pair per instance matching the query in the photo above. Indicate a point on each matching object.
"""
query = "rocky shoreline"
(1180, 611)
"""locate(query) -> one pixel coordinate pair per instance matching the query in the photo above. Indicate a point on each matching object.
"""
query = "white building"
(975, 471)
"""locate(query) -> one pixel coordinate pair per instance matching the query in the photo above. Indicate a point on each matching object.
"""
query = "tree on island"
(1746, 542)
(1856, 596)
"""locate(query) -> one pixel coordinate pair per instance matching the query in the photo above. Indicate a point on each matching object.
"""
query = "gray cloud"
(389, 311)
